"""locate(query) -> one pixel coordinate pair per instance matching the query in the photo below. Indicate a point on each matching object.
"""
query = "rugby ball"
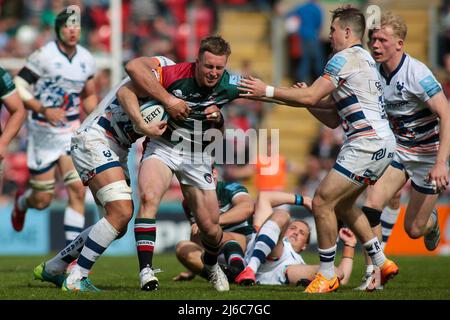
(152, 111)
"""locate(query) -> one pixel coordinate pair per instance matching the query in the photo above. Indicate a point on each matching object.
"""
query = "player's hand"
(252, 87)
(152, 129)
(195, 231)
(438, 176)
(213, 114)
(3, 151)
(347, 236)
(54, 115)
(307, 203)
(178, 109)
(184, 276)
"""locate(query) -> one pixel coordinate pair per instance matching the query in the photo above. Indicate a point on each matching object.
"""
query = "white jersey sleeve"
(424, 85)
(338, 69)
(37, 61)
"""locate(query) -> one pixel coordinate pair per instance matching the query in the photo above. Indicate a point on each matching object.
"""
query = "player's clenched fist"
(178, 109)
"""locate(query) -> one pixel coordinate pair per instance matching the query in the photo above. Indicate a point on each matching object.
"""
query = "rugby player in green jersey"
(192, 94)
(10, 98)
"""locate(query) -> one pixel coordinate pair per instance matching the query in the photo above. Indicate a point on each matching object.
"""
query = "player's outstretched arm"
(18, 114)
(127, 98)
(269, 199)
(141, 73)
(324, 111)
(297, 97)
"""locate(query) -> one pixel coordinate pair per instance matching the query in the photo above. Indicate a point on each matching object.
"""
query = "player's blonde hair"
(396, 23)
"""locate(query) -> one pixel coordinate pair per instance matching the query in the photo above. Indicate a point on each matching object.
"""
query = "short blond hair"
(396, 23)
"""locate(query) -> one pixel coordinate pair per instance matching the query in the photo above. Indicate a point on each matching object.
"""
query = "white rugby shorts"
(363, 160)
(191, 169)
(93, 152)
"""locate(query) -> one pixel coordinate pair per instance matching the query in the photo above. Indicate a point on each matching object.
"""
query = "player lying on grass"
(236, 209)
(273, 255)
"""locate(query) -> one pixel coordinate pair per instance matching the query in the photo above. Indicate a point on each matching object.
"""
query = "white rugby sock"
(373, 248)
(326, 267)
(59, 263)
(388, 219)
(266, 240)
(22, 204)
(73, 224)
(100, 237)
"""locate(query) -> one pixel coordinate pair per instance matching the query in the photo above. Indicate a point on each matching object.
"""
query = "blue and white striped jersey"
(61, 80)
(406, 90)
(110, 115)
(358, 93)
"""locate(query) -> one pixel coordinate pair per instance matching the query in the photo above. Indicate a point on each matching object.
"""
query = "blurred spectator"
(310, 20)
(326, 147)
(322, 157)
(444, 32)
(311, 178)
(444, 75)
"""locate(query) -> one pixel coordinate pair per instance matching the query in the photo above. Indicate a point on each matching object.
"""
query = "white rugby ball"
(152, 111)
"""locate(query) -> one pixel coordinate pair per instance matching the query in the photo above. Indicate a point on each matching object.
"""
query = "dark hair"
(61, 21)
(216, 45)
(350, 17)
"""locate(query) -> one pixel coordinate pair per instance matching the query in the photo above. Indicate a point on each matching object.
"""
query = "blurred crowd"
(172, 28)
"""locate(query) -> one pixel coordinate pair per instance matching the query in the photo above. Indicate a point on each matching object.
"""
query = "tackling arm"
(140, 71)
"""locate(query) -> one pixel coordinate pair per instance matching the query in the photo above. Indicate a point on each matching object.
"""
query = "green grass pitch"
(425, 278)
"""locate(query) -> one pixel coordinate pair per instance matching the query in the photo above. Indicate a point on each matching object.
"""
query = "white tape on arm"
(23, 88)
(270, 91)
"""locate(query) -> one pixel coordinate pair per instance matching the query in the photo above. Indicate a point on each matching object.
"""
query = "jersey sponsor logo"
(234, 79)
(208, 177)
(335, 65)
(107, 153)
(430, 85)
(179, 94)
(378, 155)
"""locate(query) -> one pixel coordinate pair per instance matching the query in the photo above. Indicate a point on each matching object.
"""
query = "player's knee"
(319, 202)
(42, 202)
(112, 192)
(281, 218)
(180, 249)
(373, 215)
(414, 231)
(209, 231)
(150, 198)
